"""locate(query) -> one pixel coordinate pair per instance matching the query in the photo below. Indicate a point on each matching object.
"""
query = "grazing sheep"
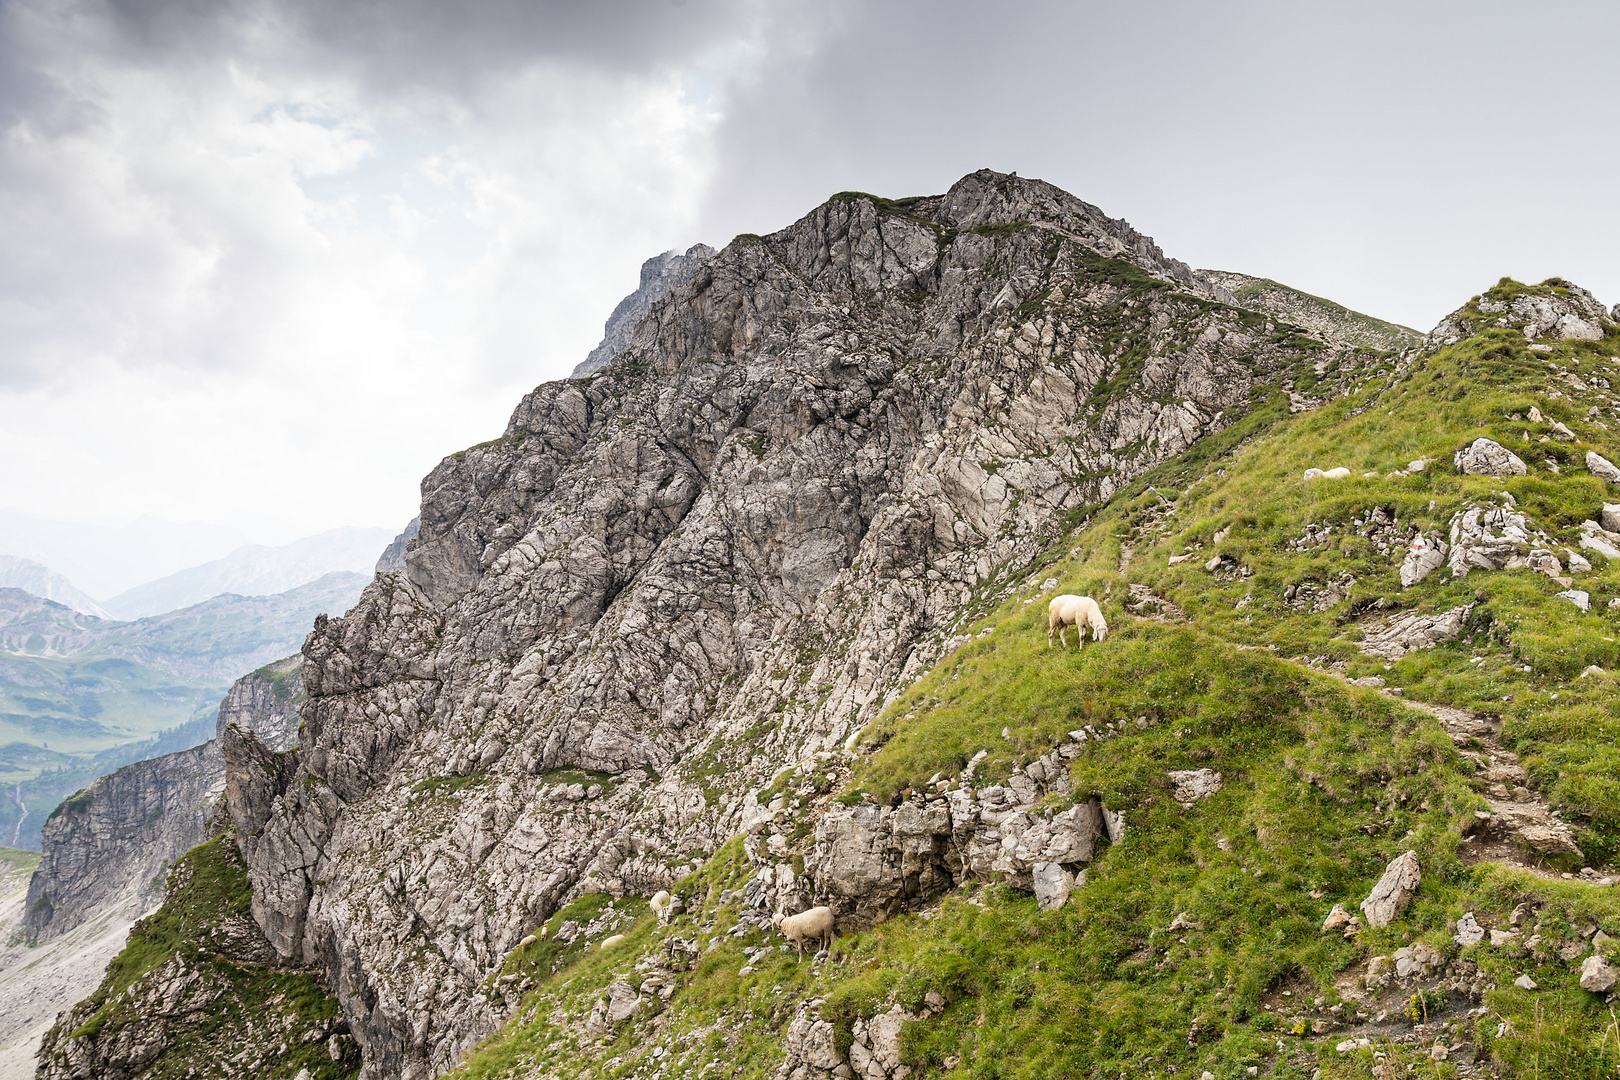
(1076, 611)
(813, 925)
(659, 901)
(544, 931)
(609, 942)
(526, 942)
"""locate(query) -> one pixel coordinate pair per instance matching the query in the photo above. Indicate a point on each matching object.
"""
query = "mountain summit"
(720, 556)
(757, 615)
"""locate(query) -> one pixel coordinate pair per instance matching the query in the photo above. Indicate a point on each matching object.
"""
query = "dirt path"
(1520, 830)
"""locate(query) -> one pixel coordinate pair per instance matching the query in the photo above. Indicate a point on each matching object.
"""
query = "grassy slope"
(209, 891)
(1324, 782)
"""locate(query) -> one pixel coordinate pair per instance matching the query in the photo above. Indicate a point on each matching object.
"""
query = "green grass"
(1324, 783)
(1100, 987)
(208, 891)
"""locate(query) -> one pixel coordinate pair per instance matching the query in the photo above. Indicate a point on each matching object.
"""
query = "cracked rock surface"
(717, 557)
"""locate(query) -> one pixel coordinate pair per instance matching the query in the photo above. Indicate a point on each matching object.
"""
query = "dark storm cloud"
(1397, 156)
(399, 43)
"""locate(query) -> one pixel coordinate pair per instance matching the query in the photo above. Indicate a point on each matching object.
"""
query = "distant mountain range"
(105, 560)
(256, 570)
(81, 696)
(43, 582)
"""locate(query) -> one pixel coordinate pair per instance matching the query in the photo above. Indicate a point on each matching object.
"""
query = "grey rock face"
(1393, 891)
(1053, 884)
(1568, 312)
(659, 275)
(1595, 537)
(392, 559)
(875, 1052)
(1191, 785)
(1579, 597)
(1576, 315)
(1611, 516)
(1333, 321)
(1412, 630)
(1598, 975)
(1484, 457)
(716, 557)
(1486, 538)
(109, 847)
(1602, 467)
(1469, 932)
(1421, 561)
(809, 1049)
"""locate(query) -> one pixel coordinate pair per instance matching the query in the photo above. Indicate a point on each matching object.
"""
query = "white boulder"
(1393, 891)
(1598, 975)
(1602, 467)
(1484, 457)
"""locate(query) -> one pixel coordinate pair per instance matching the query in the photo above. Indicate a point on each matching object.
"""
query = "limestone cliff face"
(714, 559)
(393, 556)
(659, 274)
(109, 847)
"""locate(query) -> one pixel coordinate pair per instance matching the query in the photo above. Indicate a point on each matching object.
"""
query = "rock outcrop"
(1561, 311)
(1485, 457)
(1393, 891)
(108, 848)
(1333, 321)
(392, 560)
(200, 992)
(1393, 638)
(659, 274)
(717, 557)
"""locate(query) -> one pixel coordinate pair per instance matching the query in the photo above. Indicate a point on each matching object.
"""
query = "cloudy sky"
(264, 262)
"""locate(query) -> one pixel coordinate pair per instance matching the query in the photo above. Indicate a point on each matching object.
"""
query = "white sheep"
(526, 942)
(1076, 611)
(609, 942)
(813, 925)
(659, 901)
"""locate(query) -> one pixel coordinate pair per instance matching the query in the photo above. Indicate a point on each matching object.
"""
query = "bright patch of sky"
(263, 264)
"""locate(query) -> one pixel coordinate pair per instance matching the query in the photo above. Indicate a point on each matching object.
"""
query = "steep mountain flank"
(659, 274)
(109, 847)
(198, 992)
(714, 560)
(1256, 857)
(1334, 322)
(604, 672)
(393, 556)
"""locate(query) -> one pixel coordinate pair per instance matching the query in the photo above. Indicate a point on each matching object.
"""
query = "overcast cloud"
(264, 262)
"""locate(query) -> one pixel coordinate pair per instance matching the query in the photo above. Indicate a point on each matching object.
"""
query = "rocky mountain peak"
(717, 557)
(1551, 311)
(659, 274)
